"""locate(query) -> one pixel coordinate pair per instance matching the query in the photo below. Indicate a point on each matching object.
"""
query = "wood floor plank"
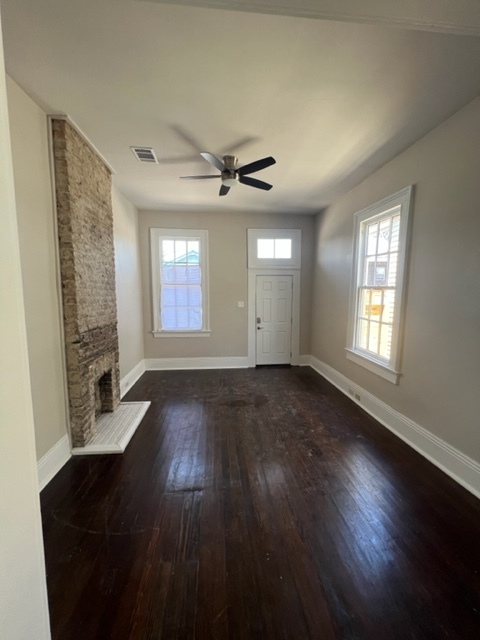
(259, 504)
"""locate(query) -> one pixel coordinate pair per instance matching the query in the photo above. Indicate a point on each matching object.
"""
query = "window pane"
(386, 341)
(180, 251)
(395, 233)
(384, 236)
(188, 274)
(194, 296)
(373, 337)
(168, 251)
(380, 272)
(194, 318)
(181, 296)
(168, 273)
(169, 318)
(362, 334)
(364, 306)
(369, 275)
(180, 274)
(193, 251)
(389, 306)
(283, 248)
(193, 274)
(182, 318)
(372, 233)
(376, 305)
(168, 296)
(392, 269)
(265, 248)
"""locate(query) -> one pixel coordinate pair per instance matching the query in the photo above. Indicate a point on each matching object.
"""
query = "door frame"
(252, 324)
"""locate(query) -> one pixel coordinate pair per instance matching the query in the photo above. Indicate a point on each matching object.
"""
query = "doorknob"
(259, 327)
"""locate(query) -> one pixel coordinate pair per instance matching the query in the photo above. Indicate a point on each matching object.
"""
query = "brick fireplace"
(87, 266)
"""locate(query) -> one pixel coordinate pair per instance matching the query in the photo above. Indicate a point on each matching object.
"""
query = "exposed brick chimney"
(87, 265)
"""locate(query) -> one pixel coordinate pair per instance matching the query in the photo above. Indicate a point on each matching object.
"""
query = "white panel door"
(273, 312)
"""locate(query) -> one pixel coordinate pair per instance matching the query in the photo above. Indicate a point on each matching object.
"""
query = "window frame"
(254, 262)
(156, 236)
(399, 202)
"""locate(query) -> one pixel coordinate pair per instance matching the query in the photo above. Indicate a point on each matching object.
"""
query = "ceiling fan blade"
(209, 157)
(223, 190)
(239, 144)
(258, 165)
(187, 137)
(253, 182)
(198, 177)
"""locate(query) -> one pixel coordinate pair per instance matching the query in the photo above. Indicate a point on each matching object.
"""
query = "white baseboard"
(453, 462)
(131, 378)
(304, 361)
(50, 464)
(233, 362)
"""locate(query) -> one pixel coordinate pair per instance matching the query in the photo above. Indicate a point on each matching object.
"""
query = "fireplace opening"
(104, 394)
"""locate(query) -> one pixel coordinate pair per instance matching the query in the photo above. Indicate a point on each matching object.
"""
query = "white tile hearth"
(115, 430)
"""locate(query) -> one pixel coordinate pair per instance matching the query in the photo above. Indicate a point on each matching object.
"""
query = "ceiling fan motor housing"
(230, 162)
(230, 177)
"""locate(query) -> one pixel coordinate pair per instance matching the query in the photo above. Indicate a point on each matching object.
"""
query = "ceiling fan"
(231, 175)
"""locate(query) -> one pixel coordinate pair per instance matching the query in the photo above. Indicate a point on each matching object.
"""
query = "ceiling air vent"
(145, 154)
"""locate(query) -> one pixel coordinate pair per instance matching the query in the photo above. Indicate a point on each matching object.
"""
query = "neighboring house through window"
(179, 282)
(377, 294)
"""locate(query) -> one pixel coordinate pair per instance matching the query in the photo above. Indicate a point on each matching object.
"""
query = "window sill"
(372, 365)
(181, 334)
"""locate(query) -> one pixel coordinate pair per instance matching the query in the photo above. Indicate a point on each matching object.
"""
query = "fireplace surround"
(87, 268)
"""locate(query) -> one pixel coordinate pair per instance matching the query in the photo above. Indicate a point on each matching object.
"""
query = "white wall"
(23, 598)
(440, 382)
(36, 216)
(228, 280)
(128, 282)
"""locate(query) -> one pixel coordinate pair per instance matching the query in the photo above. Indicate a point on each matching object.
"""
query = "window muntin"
(378, 285)
(179, 279)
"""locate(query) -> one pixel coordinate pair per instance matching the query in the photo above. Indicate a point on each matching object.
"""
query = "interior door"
(273, 310)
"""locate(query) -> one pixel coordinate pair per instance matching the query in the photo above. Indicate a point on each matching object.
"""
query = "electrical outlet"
(357, 397)
(350, 391)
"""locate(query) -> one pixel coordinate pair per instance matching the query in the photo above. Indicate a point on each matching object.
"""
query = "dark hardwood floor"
(259, 504)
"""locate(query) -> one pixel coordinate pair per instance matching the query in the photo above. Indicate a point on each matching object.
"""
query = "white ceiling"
(331, 101)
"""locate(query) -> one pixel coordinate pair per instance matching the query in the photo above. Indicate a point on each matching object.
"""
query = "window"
(378, 285)
(278, 248)
(179, 281)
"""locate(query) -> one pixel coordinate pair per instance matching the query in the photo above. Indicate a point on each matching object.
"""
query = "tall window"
(378, 285)
(179, 279)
